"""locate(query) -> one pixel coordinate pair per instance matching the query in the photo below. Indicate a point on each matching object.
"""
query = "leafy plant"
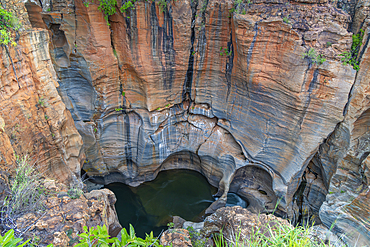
(95, 236)
(108, 7)
(8, 240)
(41, 102)
(351, 57)
(162, 5)
(126, 6)
(74, 193)
(286, 20)
(98, 236)
(225, 51)
(118, 109)
(313, 57)
(171, 225)
(46, 117)
(8, 26)
(123, 94)
(132, 240)
(195, 237)
(328, 44)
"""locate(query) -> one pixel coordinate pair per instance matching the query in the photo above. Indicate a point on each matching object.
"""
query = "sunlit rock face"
(34, 121)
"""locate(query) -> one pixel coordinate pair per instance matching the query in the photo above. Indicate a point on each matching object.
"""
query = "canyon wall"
(33, 116)
(224, 88)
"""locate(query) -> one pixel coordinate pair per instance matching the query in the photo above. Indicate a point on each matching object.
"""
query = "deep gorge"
(217, 87)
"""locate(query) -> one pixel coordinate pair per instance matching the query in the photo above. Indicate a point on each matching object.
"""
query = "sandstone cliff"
(220, 87)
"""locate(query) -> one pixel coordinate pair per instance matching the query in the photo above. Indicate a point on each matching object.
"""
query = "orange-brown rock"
(199, 86)
(34, 117)
(228, 89)
(64, 217)
(176, 237)
(345, 158)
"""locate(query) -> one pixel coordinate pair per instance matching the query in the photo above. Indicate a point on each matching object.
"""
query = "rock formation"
(238, 91)
(64, 217)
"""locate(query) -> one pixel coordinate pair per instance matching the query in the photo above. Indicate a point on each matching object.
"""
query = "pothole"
(151, 205)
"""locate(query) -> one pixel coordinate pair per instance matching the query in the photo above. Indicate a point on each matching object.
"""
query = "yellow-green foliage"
(279, 235)
(8, 25)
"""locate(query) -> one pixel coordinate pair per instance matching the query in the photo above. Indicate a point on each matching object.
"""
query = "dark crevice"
(229, 64)
(168, 69)
(311, 87)
(250, 50)
(299, 198)
(186, 93)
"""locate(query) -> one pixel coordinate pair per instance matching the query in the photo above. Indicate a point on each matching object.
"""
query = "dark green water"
(150, 206)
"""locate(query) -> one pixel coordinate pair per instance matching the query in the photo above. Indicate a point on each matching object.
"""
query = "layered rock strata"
(227, 89)
(64, 217)
(34, 117)
(221, 88)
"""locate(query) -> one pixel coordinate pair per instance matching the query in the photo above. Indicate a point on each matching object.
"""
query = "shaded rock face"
(196, 86)
(346, 207)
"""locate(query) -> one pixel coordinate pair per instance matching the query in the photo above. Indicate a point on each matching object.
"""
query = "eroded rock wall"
(346, 207)
(221, 88)
(224, 83)
(34, 118)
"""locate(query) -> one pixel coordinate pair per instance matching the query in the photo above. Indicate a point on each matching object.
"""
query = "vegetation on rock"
(25, 194)
(98, 236)
(282, 235)
(351, 57)
(108, 7)
(8, 26)
(8, 240)
(314, 57)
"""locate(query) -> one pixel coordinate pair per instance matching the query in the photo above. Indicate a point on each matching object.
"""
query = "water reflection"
(150, 206)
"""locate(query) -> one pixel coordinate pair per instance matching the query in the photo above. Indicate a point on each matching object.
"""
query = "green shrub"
(95, 236)
(108, 7)
(98, 236)
(8, 25)
(286, 20)
(313, 57)
(126, 6)
(351, 57)
(41, 102)
(25, 195)
(195, 237)
(162, 5)
(8, 240)
(74, 193)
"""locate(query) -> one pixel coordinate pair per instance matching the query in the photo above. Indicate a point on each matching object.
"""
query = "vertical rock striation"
(34, 116)
(235, 91)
